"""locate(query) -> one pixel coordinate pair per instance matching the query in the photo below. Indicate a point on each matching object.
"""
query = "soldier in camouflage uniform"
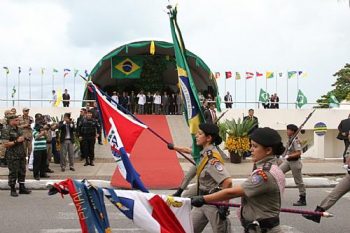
(25, 122)
(15, 155)
(293, 162)
(3, 123)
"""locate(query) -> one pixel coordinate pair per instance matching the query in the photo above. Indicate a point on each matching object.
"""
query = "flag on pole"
(7, 71)
(228, 74)
(249, 75)
(258, 74)
(54, 70)
(217, 75)
(292, 74)
(86, 73)
(89, 203)
(302, 74)
(42, 71)
(30, 71)
(19, 70)
(193, 112)
(76, 72)
(121, 133)
(13, 92)
(263, 96)
(269, 74)
(66, 72)
(238, 76)
(280, 74)
(59, 98)
(301, 99)
(152, 212)
(333, 102)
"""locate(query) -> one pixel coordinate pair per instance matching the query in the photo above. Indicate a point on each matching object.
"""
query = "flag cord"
(150, 129)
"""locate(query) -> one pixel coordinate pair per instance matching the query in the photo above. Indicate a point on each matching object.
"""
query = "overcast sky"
(230, 35)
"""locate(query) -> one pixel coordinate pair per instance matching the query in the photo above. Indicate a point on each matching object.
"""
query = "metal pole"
(245, 93)
(7, 89)
(256, 89)
(235, 91)
(287, 90)
(30, 90)
(18, 86)
(74, 87)
(42, 80)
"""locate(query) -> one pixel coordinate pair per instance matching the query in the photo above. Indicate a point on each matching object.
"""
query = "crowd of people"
(40, 141)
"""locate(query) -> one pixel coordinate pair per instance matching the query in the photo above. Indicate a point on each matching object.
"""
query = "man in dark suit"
(210, 114)
(65, 98)
(67, 129)
(344, 128)
(228, 98)
(253, 118)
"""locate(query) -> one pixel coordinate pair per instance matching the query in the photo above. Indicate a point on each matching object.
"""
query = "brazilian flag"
(127, 67)
(193, 112)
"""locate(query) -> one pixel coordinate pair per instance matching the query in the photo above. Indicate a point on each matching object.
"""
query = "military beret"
(266, 137)
(292, 127)
(11, 116)
(212, 130)
(83, 109)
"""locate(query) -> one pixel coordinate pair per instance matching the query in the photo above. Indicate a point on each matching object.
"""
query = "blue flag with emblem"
(193, 112)
(126, 67)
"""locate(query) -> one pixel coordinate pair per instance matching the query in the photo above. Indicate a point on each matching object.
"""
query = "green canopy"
(103, 71)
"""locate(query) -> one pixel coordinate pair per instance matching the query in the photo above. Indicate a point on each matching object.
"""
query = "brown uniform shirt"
(27, 131)
(262, 194)
(214, 172)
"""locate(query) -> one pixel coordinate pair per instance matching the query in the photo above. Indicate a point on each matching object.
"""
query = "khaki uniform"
(342, 187)
(262, 199)
(213, 173)
(295, 166)
(27, 133)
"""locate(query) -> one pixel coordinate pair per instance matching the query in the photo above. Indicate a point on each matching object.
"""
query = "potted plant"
(235, 135)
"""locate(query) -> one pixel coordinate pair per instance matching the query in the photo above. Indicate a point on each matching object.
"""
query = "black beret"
(292, 127)
(212, 130)
(266, 137)
(209, 128)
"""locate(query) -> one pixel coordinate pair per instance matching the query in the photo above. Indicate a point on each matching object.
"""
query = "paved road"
(40, 213)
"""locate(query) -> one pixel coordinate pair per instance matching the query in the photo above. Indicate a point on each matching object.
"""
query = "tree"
(341, 90)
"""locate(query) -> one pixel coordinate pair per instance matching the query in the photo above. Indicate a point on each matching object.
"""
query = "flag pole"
(74, 88)
(235, 90)
(276, 81)
(297, 81)
(53, 80)
(133, 116)
(256, 89)
(245, 92)
(266, 91)
(7, 89)
(19, 73)
(287, 91)
(30, 89)
(42, 80)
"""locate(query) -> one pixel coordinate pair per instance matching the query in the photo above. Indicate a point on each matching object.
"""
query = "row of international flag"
(66, 71)
(267, 74)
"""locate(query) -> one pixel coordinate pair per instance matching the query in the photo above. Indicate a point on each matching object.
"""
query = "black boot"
(23, 189)
(315, 218)
(178, 192)
(13, 191)
(301, 201)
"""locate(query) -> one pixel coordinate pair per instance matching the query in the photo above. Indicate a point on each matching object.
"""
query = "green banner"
(127, 67)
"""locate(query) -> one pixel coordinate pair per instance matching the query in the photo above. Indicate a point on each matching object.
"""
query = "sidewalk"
(317, 173)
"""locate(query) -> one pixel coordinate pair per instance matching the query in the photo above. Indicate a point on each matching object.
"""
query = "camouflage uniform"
(2, 147)
(15, 155)
(27, 133)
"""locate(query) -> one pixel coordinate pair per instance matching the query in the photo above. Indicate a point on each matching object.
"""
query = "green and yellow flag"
(192, 106)
(301, 99)
(127, 67)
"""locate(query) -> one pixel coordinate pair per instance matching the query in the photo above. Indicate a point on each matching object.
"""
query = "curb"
(314, 182)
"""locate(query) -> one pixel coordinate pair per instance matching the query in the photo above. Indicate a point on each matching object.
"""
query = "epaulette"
(209, 154)
(267, 166)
